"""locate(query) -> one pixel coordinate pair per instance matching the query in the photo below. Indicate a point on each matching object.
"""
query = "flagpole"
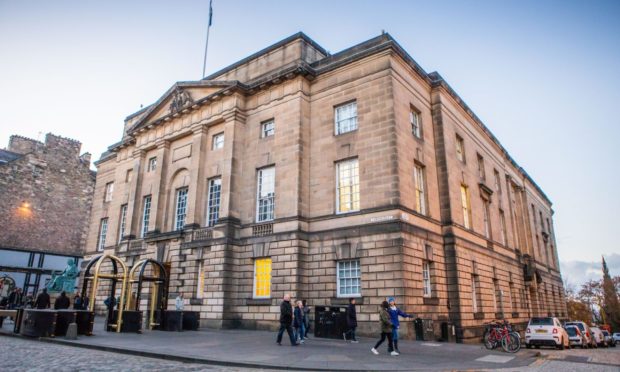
(204, 64)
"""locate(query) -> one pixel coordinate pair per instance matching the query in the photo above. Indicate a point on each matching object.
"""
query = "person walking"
(298, 322)
(351, 322)
(78, 303)
(306, 318)
(286, 319)
(178, 302)
(15, 298)
(386, 329)
(43, 300)
(395, 312)
(62, 302)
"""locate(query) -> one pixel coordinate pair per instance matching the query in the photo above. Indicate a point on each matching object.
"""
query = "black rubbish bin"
(418, 326)
(132, 321)
(170, 320)
(448, 332)
(330, 321)
(191, 320)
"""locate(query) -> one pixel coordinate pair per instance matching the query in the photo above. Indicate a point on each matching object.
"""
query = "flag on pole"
(210, 13)
(204, 63)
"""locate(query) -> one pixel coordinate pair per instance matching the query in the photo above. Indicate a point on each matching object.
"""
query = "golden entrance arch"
(96, 276)
(159, 287)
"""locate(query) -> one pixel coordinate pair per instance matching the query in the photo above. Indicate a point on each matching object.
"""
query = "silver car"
(575, 337)
(608, 339)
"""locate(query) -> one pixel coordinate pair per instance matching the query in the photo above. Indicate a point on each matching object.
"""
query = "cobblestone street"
(18, 354)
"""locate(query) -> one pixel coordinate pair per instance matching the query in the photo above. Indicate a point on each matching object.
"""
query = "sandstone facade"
(370, 198)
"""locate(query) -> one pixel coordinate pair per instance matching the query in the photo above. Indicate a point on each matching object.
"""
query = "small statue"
(64, 281)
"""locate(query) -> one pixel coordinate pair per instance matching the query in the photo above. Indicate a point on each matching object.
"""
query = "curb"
(170, 357)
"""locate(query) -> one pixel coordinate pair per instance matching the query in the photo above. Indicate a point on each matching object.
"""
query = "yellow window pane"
(262, 279)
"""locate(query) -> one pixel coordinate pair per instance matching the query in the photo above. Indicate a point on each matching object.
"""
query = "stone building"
(328, 176)
(45, 201)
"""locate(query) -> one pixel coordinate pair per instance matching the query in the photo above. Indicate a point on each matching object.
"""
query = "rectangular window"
(347, 186)
(345, 118)
(213, 204)
(103, 231)
(218, 141)
(181, 209)
(267, 129)
(146, 214)
(420, 195)
(109, 189)
(498, 183)
(466, 206)
(152, 164)
(497, 297)
(487, 218)
(414, 119)
(426, 278)
(262, 277)
(513, 299)
(349, 278)
(123, 221)
(200, 287)
(460, 149)
(481, 172)
(502, 221)
(266, 194)
(474, 294)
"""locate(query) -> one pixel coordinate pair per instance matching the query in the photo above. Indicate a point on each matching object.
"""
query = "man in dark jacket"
(62, 302)
(351, 322)
(43, 300)
(286, 319)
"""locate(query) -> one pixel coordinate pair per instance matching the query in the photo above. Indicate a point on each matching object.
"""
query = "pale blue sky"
(542, 75)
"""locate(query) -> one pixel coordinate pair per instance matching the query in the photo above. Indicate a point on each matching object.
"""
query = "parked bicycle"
(501, 333)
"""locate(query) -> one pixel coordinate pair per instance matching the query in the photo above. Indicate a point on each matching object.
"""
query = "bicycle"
(497, 333)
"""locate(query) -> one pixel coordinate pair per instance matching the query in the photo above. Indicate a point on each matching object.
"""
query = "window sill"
(195, 301)
(258, 301)
(339, 301)
(430, 300)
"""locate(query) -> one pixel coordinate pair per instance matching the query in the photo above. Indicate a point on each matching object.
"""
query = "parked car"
(616, 337)
(575, 337)
(598, 337)
(608, 339)
(546, 331)
(585, 330)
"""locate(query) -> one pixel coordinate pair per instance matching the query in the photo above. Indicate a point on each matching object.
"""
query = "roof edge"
(276, 45)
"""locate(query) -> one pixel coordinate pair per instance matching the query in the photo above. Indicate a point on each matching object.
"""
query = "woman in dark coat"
(351, 322)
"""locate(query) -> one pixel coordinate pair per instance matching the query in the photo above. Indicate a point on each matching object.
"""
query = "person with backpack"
(351, 322)
(395, 312)
(386, 329)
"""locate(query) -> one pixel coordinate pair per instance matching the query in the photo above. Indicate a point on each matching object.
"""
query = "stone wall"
(46, 196)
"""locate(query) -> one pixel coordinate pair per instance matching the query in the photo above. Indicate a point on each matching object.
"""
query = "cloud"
(578, 272)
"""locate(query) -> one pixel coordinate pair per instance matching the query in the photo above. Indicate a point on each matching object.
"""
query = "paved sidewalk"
(258, 349)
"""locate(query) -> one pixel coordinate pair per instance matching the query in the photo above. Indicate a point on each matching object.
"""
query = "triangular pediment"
(178, 98)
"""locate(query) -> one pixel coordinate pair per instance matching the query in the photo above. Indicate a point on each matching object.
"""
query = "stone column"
(234, 130)
(135, 194)
(196, 192)
(160, 191)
